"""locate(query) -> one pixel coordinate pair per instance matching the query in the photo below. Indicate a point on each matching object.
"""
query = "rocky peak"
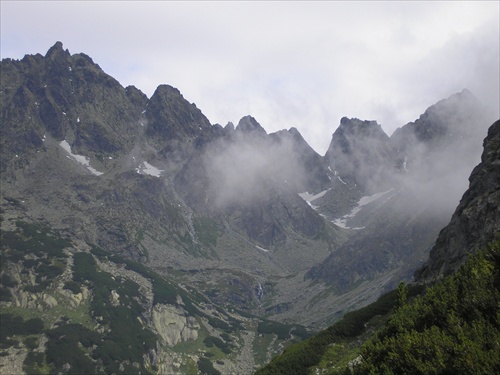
(444, 143)
(229, 127)
(353, 132)
(313, 176)
(444, 122)
(57, 51)
(362, 151)
(136, 96)
(295, 133)
(171, 117)
(69, 98)
(249, 125)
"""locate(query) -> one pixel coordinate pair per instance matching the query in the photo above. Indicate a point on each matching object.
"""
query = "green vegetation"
(210, 341)
(105, 333)
(454, 328)
(39, 249)
(206, 367)
(12, 325)
(73, 286)
(67, 344)
(126, 340)
(33, 239)
(298, 358)
(451, 328)
(35, 364)
(283, 331)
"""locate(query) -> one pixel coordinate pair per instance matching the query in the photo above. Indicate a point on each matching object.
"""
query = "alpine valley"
(137, 237)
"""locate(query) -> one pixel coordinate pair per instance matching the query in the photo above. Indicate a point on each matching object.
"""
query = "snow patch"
(312, 197)
(345, 183)
(342, 221)
(79, 158)
(262, 249)
(371, 198)
(146, 168)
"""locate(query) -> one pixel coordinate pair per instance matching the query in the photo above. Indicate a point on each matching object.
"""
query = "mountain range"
(225, 243)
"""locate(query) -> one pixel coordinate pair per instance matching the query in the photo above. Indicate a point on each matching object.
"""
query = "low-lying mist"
(248, 167)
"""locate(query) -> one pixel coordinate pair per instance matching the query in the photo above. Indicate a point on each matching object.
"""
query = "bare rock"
(173, 325)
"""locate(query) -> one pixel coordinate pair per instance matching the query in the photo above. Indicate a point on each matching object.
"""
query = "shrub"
(453, 328)
(206, 367)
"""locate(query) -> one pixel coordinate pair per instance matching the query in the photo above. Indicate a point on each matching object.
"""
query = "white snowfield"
(146, 168)
(83, 160)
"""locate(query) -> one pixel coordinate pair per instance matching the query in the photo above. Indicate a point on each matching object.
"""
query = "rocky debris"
(13, 362)
(75, 299)
(114, 298)
(49, 300)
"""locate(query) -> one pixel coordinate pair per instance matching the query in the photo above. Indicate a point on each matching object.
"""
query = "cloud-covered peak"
(248, 124)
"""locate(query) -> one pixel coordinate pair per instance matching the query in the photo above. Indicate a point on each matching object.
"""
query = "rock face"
(173, 324)
(67, 97)
(476, 221)
(361, 151)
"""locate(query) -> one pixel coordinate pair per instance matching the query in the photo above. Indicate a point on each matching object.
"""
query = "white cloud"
(302, 64)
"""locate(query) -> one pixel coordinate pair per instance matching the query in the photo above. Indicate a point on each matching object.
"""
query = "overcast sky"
(301, 64)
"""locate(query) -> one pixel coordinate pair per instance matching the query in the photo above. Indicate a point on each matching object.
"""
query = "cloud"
(302, 64)
(248, 167)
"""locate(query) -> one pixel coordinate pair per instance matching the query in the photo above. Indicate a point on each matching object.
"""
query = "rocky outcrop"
(476, 221)
(173, 324)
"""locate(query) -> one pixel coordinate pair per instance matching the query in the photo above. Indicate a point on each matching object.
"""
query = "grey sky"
(301, 64)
